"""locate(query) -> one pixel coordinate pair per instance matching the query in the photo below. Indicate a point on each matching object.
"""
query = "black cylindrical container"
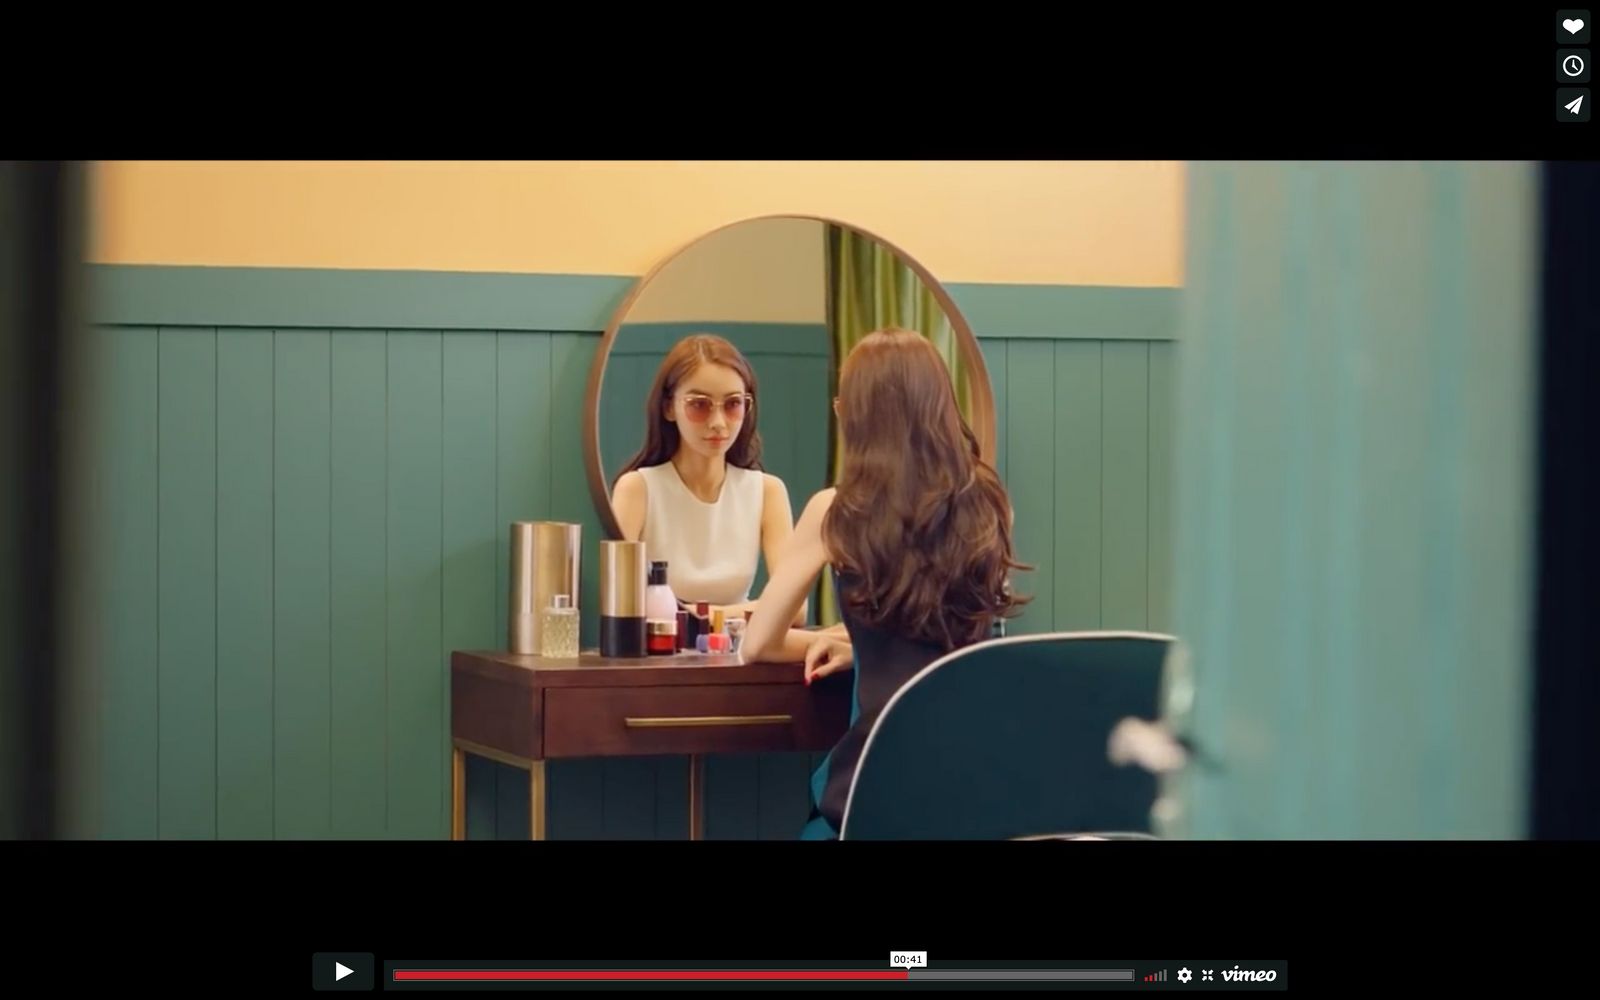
(692, 631)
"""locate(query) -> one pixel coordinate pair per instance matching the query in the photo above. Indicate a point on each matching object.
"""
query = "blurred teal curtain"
(1354, 487)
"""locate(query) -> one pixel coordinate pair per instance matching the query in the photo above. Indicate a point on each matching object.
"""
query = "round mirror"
(727, 354)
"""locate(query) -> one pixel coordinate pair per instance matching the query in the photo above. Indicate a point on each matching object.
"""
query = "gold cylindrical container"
(546, 557)
(624, 574)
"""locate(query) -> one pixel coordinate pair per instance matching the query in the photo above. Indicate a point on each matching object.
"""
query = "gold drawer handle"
(670, 722)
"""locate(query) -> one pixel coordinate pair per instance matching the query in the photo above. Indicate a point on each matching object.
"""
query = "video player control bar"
(909, 969)
(763, 975)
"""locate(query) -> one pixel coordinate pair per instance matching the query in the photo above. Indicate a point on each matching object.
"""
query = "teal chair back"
(1007, 739)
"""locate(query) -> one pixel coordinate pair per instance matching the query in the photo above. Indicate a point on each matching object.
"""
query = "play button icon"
(342, 971)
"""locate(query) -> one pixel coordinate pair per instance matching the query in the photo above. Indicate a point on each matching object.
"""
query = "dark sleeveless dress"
(884, 662)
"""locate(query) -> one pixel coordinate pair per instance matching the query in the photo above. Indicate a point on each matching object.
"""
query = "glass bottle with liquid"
(558, 629)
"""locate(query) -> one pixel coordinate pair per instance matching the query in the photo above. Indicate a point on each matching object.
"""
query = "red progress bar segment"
(519, 975)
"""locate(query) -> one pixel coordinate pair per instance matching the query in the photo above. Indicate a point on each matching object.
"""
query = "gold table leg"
(458, 794)
(537, 787)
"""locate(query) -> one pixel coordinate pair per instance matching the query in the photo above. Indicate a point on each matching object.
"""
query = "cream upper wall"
(764, 271)
(1089, 223)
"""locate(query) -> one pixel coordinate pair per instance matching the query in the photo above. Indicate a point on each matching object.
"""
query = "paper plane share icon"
(1573, 104)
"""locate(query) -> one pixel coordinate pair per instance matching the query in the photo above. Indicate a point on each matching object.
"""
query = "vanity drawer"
(692, 719)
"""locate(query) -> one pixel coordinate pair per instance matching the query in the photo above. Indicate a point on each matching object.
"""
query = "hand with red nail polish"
(827, 654)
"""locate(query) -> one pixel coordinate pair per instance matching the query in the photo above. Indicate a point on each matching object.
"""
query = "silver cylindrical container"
(545, 561)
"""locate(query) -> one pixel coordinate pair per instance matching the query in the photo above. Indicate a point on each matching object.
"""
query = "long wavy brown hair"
(661, 437)
(920, 523)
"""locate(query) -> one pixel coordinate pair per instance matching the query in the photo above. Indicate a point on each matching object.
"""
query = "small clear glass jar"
(558, 629)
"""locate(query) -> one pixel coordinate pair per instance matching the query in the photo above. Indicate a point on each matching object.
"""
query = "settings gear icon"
(1184, 975)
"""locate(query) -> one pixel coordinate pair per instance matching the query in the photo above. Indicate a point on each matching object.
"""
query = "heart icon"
(1573, 24)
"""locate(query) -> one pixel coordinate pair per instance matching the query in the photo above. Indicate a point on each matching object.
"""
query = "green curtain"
(869, 288)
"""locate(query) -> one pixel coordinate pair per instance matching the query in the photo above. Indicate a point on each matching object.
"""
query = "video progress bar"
(1027, 975)
(761, 975)
(639, 975)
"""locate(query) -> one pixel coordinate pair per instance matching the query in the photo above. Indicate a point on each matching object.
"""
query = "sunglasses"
(699, 408)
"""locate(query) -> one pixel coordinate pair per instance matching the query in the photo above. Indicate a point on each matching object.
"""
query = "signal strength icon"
(1156, 977)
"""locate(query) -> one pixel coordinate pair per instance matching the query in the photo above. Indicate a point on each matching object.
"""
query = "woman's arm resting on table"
(792, 648)
(777, 530)
(785, 593)
(822, 654)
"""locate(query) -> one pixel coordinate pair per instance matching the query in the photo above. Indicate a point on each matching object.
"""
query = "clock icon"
(1572, 65)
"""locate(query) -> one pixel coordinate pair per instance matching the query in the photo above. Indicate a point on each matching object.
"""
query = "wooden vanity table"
(525, 710)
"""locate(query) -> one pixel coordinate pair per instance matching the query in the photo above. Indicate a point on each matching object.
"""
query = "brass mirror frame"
(982, 393)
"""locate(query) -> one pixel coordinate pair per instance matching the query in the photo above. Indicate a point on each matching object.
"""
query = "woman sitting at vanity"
(695, 493)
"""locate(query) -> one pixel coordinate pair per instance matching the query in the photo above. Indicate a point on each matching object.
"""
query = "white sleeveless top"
(711, 549)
